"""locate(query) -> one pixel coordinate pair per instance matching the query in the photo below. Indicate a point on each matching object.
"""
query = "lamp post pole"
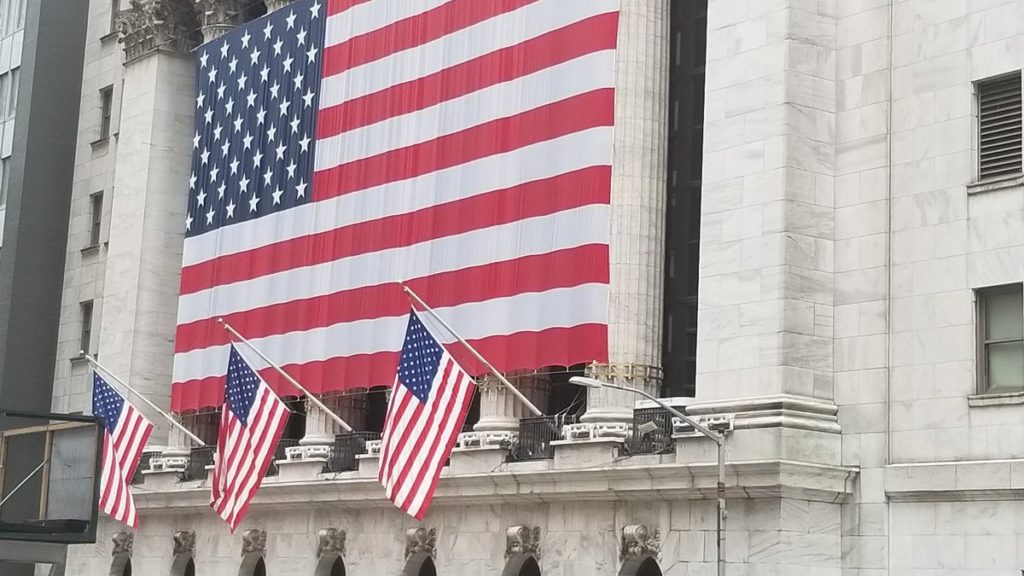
(717, 437)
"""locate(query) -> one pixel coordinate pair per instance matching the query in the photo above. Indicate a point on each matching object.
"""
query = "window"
(106, 104)
(86, 339)
(999, 127)
(5, 179)
(1001, 339)
(12, 96)
(115, 7)
(97, 218)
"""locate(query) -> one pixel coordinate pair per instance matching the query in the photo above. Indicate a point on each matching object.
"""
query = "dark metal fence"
(346, 447)
(138, 477)
(536, 435)
(280, 454)
(199, 458)
(652, 432)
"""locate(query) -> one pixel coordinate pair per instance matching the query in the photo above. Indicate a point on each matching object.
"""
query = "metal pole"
(123, 384)
(309, 396)
(721, 509)
(515, 391)
(22, 483)
(719, 439)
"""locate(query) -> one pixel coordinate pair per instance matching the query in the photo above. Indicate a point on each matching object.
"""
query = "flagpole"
(125, 385)
(501, 378)
(316, 401)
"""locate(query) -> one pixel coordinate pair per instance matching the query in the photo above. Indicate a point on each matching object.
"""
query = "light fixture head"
(586, 382)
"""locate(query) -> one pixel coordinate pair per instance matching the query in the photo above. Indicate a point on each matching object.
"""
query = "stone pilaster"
(152, 25)
(218, 17)
(638, 210)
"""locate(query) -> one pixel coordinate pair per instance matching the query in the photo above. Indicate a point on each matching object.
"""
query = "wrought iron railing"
(536, 435)
(345, 449)
(652, 432)
(280, 454)
(199, 458)
(138, 477)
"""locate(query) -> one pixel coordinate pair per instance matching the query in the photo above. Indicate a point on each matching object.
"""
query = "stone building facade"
(858, 324)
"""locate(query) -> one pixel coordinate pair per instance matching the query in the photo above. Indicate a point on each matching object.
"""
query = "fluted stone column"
(638, 211)
(276, 4)
(321, 427)
(150, 187)
(218, 17)
(500, 410)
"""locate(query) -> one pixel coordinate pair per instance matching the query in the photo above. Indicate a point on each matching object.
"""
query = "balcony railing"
(138, 477)
(652, 432)
(536, 435)
(345, 449)
(199, 458)
(280, 454)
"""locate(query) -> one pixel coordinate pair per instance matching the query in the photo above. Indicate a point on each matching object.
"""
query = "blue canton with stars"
(420, 359)
(107, 404)
(240, 387)
(256, 108)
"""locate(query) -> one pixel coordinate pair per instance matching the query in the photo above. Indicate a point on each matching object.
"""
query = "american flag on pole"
(251, 423)
(429, 401)
(342, 147)
(125, 435)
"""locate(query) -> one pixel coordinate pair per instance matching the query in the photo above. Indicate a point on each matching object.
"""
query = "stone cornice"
(783, 410)
(538, 482)
(147, 26)
(955, 481)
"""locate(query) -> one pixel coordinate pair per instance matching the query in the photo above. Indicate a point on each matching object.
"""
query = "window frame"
(981, 298)
(87, 313)
(96, 218)
(106, 111)
(979, 88)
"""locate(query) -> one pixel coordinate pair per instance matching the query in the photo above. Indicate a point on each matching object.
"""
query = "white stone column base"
(596, 452)
(368, 464)
(162, 480)
(479, 460)
(486, 439)
(585, 431)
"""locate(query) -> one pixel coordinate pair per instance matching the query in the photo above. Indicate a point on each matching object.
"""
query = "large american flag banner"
(125, 433)
(344, 146)
(428, 406)
(251, 424)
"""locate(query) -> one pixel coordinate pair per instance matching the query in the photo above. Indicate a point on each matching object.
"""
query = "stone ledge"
(778, 411)
(1005, 399)
(955, 481)
(512, 483)
(992, 184)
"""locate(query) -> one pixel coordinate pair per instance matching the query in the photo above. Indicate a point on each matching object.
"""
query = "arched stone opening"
(420, 565)
(183, 566)
(252, 565)
(521, 565)
(330, 565)
(643, 566)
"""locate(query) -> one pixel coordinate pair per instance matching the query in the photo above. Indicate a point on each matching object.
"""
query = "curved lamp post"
(717, 437)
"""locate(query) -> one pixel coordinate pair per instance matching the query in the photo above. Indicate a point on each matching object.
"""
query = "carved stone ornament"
(332, 542)
(149, 25)
(421, 541)
(184, 543)
(254, 542)
(638, 542)
(123, 542)
(218, 16)
(522, 540)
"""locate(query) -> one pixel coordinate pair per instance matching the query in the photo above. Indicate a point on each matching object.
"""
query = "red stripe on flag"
(339, 6)
(540, 273)
(414, 31)
(533, 199)
(589, 110)
(587, 36)
(551, 347)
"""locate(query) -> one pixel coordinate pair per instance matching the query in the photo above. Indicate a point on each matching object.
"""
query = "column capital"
(153, 25)
(276, 4)
(218, 17)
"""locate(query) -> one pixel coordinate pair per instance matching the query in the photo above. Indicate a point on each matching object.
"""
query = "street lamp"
(717, 437)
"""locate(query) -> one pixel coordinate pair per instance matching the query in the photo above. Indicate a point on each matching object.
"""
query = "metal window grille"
(999, 127)
(647, 440)
(199, 458)
(346, 447)
(536, 435)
